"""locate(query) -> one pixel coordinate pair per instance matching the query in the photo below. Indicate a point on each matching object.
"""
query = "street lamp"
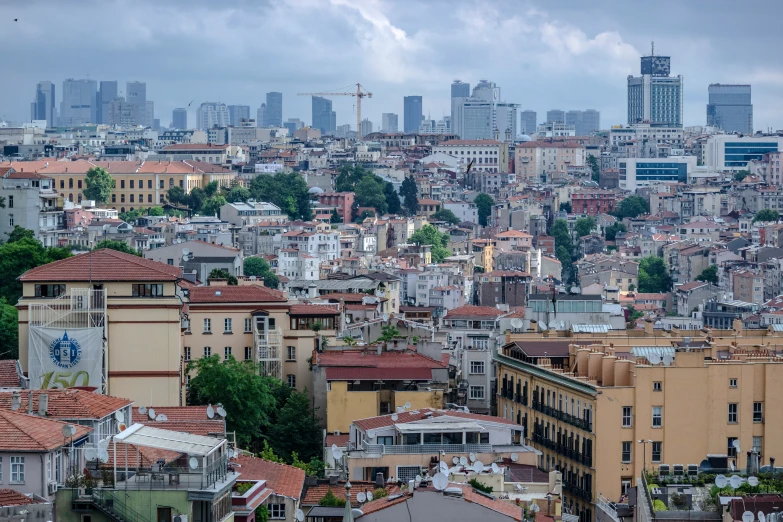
(644, 444)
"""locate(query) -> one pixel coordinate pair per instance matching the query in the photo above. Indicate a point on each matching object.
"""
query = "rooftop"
(283, 479)
(384, 421)
(10, 498)
(103, 265)
(70, 403)
(474, 312)
(234, 294)
(389, 365)
(23, 432)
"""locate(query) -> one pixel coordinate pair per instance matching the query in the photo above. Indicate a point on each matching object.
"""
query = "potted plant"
(89, 482)
(107, 477)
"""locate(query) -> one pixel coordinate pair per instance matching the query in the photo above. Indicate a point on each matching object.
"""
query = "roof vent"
(453, 492)
(218, 292)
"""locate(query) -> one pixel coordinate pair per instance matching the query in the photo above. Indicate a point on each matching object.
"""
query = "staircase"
(111, 504)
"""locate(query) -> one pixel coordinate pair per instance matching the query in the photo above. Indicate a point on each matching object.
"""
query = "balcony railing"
(564, 450)
(573, 420)
(402, 449)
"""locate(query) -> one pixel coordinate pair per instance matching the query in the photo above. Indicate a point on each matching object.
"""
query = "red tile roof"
(340, 440)
(690, 286)
(382, 503)
(384, 421)
(23, 432)
(314, 494)
(70, 404)
(106, 265)
(195, 146)
(9, 375)
(234, 294)
(474, 312)
(358, 364)
(313, 310)
(464, 143)
(283, 479)
(9, 498)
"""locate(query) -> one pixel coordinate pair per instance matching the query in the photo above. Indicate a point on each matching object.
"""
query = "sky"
(569, 54)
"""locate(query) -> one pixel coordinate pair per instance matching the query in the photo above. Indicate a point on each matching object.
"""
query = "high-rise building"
(212, 114)
(274, 109)
(730, 108)
(293, 124)
(136, 94)
(555, 116)
(389, 122)
(528, 122)
(237, 113)
(584, 122)
(324, 118)
(413, 113)
(261, 116)
(483, 116)
(79, 103)
(149, 114)
(459, 90)
(106, 94)
(366, 127)
(655, 97)
(43, 105)
(122, 113)
(179, 118)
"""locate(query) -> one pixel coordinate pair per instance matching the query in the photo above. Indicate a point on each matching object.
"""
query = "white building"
(483, 115)
(295, 264)
(647, 134)
(251, 213)
(489, 155)
(389, 122)
(464, 210)
(642, 172)
(324, 245)
(729, 152)
(31, 202)
(211, 114)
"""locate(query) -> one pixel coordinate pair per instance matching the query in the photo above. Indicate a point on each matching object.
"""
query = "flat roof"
(150, 437)
(423, 426)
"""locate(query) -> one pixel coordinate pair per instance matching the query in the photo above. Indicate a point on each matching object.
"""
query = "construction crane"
(359, 94)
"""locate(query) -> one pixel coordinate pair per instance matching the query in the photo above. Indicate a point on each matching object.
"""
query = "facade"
(324, 118)
(342, 201)
(732, 153)
(79, 102)
(643, 172)
(366, 127)
(655, 96)
(136, 95)
(459, 90)
(212, 114)
(534, 160)
(593, 202)
(31, 202)
(730, 108)
(261, 115)
(237, 113)
(488, 155)
(179, 118)
(251, 213)
(555, 116)
(202, 258)
(585, 122)
(648, 136)
(43, 106)
(389, 122)
(413, 113)
(273, 116)
(502, 287)
(528, 122)
(107, 93)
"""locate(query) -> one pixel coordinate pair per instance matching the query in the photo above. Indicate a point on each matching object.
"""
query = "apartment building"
(323, 245)
(730, 152)
(251, 213)
(593, 202)
(509, 287)
(747, 285)
(31, 202)
(534, 160)
(486, 155)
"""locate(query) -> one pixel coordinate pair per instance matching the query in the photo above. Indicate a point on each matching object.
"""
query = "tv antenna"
(478, 466)
(514, 457)
(463, 461)
(142, 410)
(221, 411)
(119, 416)
(654, 359)
(395, 417)
(299, 515)
(735, 481)
(472, 457)
(161, 417)
(753, 482)
(369, 496)
(517, 324)
(455, 460)
(762, 516)
(747, 516)
(668, 359)
(361, 497)
(443, 467)
(337, 452)
(495, 468)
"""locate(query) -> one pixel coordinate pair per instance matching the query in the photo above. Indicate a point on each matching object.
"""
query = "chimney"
(380, 482)
(549, 505)
(312, 291)
(30, 403)
(649, 327)
(737, 325)
(43, 404)
(16, 400)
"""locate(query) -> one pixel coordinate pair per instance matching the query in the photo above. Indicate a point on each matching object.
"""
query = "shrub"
(658, 505)
(479, 486)
(379, 493)
(331, 500)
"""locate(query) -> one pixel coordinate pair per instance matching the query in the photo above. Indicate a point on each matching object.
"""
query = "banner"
(63, 358)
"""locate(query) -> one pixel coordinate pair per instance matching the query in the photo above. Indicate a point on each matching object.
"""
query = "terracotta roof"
(428, 201)
(106, 265)
(9, 498)
(340, 441)
(358, 364)
(690, 286)
(513, 233)
(382, 503)
(26, 175)
(9, 375)
(234, 294)
(384, 421)
(283, 479)
(474, 312)
(23, 432)
(314, 494)
(313, 310)
(70, 403)
(174, 413)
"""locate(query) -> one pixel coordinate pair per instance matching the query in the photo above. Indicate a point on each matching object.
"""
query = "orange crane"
(359, 94)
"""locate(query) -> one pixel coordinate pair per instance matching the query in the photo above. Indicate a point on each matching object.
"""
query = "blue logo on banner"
(65, 352)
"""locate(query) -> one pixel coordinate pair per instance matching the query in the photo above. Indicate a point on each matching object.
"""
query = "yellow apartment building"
(106, 320)
(139, 184)
(533, 159)
(586, 400)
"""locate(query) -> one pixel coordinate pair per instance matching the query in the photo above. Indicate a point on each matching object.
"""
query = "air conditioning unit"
(693, 470)
(337, 432)
(52, 489)
(664, 470)
(679, 469)
(180, 518)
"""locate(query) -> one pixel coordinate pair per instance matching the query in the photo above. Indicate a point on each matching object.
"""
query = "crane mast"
(359, 94)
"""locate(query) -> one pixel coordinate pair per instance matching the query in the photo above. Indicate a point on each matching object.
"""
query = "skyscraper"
(459, 91)
(136, 94)
(237, 113)
(212, 114)
(106, 94)
(412, 113)
(730, 108)
(528, 121)
(483, 116)
(366, 127)
(591, 122)
(655, 96)
(555, 116)
(274, 109)
(43, 106)
(389, 122)
(179, 118)
(79, 103)
(261, 116)
(324, 118)
(149, 114)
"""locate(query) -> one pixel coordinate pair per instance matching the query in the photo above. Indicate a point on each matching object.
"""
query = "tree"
(120, 246)
(364, 215)
(766, 215)
(212, 205)
(288, 191)
(584, 226)
(653, 276)
(211, 188)
(239, 388)
(679, 501)
(18, 257)
(19, 233)
(631, 207)
(237, 194)
(370, 192)
(709, 274)
(565, 207)
(388, 333)
(196, 198)
(349, 177)
(9, 330)
(429, 235)
(220, 273)
(633, 314)
(592, 162)
(155, 211)
(563, 255)
(331, 500)
(98, 185)
(259, 267)
(262, 513)
(484, 203)
(410, 195)
(176, 195)
(335, 218)
(296, 417)
(561, 234)
(392, 199)
(741, 175)
(611, 231)
(446, 215)
(131, 215)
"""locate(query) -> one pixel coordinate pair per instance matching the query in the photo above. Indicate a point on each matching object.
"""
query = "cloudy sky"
(569, 54)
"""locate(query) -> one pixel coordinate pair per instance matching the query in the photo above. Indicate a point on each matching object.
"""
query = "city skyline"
(403, 58)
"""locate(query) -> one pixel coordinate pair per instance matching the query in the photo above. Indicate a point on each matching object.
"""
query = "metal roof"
(336, 284)
(423, 426)
(647, 351)
(149, 437)
(777, 327)
(590, 328)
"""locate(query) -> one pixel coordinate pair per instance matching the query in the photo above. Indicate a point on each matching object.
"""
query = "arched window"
(122, 209)
(70, 197)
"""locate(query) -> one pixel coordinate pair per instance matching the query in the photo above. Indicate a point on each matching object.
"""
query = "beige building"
(486, 155)
(133, 300)
(586, 402)
(534, 159)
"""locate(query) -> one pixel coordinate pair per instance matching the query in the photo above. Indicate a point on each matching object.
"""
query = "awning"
(326, 512)
(147, 436)
(414, 427)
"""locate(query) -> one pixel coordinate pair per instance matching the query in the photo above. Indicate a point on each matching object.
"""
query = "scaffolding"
(269, 350)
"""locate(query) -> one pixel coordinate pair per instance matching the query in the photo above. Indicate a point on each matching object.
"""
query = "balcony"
(573, 420)
(418, 449)
(563, 449)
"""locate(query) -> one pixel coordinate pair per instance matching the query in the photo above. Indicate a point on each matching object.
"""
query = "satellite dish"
(472, 457)
(299, 515)
(534, 508)
(185, 252)
(407, 405)
(142, 409)
(440, 481)
(736, 444)
(478, 466)
(334, 448)
(369, 496)
(735, 481)
(151, 413)
(337, 453)
(361, 497)
(371, 434)
(463, 461)
(395, 417)
(161, 418)
(668, 359)
(103, 455)
(210, 412)
(104, 443)
(443, 467)
(66, 430)
(221, 411)
(514, 457)
(747, 516)
(455, 460)
(348, 319)
(90, 454)
(517, 323)
(193, 463)
(73, 432)
(721, 481)
(418, 478)
(753, 482)
(543, 326)
(654, 358)
(495, 468)
(119, 416)
(385, 317)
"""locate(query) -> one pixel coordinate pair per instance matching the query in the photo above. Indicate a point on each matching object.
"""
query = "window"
(657, 450)
(477, 367)
(207, 351)
(227, 325)
(407, 473)
(49, 290)
(122, 183)
(732, 383)
(657, 386)
(149, 198)
(17, 470)
(248, 353)
(248, 325)
(207, 325)
(757, 443)
(227, 353)
(386, 441)
(627, 451)
(114, 198)
(758, 412)
(627, 414)
(187, 353)
(10, 220)
(290, 353)
(477, 392)
(733, 413)
(149, 184)
(291, 380)
(275, 510)
(10, 202)
(657, 416)
(131, 183)
(731, 450)
(1, 469)
(147, 290)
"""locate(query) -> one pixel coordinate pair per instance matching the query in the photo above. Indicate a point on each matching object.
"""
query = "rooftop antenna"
(652, 48)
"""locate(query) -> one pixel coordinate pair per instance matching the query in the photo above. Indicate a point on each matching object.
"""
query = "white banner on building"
(64, 358)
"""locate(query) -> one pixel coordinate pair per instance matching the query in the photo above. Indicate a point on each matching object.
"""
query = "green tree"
(584, 226)
(592, 162)
(131, 215)
(446, 215)
(120, 246)
(297, 416)
(631, 207)
(18, 257)
(410, 195)
(212, 205)
(19, 233)
(259, 267)
(349, 177)
(211, 188)
(565, 207)
(176, 195)
(766, 215)
(237, 194)
(393, 205)
(98, 185)
(484, 203)
(388, 333)
(564, 256)
(370, 192)
(709, 274)
(429, 235)
(561, 234)
(220, 273)
(9, 330)
(612, 230)
(335, 218)
(262, 513)
(155, 211)
(653, 276)
(331, 500)
(364, 215)
(741, 175)
(240, 389)
(288, 191)
(195, 200)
